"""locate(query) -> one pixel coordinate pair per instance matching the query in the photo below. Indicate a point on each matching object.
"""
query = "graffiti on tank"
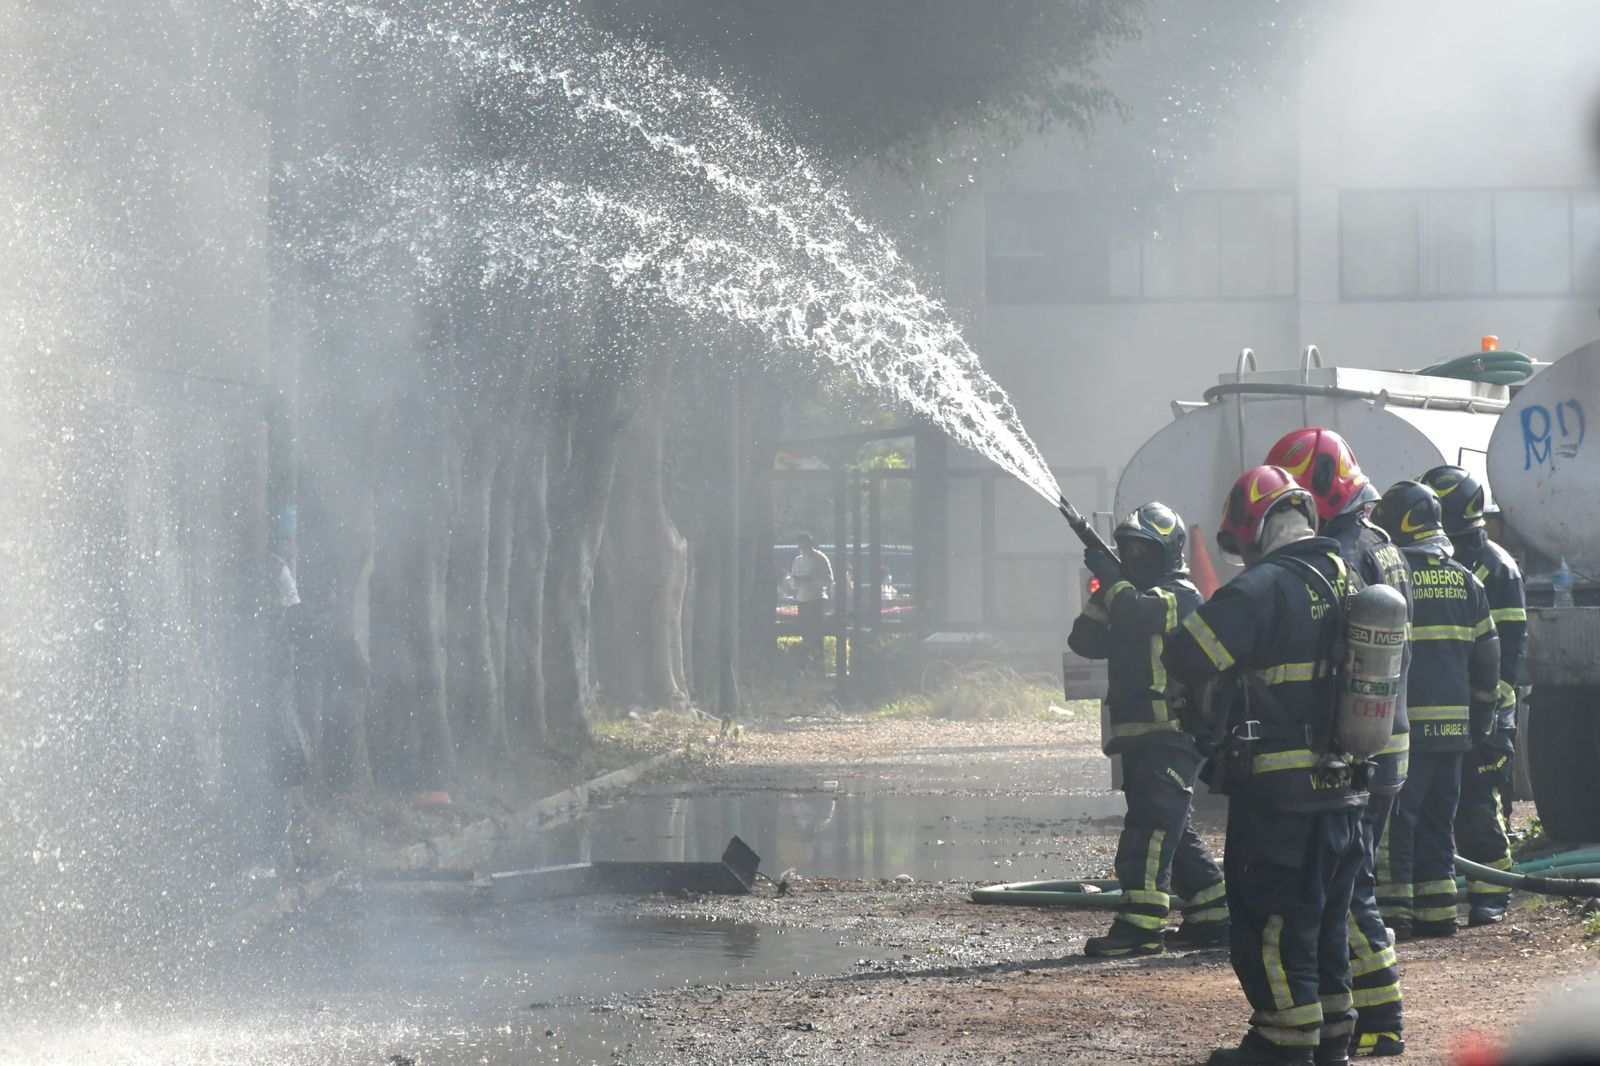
(1547, 436)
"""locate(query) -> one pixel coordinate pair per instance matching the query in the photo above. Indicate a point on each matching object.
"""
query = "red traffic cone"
(1200, 568)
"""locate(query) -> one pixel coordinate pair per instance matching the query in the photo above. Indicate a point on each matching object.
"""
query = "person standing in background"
(811, 578)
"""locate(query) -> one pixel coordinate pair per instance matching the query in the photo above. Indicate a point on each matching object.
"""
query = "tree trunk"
(705, 637)
(585, 426)
(759, 604)
(332, 670)
(333, 674)
(647, 570)
(525, 614)
(502, 531)
(476, 712)
(408, 601)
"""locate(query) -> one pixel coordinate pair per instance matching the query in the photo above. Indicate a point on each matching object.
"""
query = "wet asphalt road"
(437, 975)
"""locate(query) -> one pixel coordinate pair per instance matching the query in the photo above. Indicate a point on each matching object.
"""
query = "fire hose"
(1500, 367)
(1575, 874)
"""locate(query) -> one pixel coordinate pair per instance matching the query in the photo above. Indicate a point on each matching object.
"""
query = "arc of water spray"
(859, 309)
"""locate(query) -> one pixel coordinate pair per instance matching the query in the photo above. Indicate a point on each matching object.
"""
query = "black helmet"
(1460, 498)
(1160, 524)
(1409, 513)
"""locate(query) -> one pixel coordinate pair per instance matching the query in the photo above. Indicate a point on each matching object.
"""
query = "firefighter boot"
(1433, 930)
(1485, 914)
(1192, 935)
(1124, 941)
(1254, 1051)
(1333, 1051)
(1378, 1045)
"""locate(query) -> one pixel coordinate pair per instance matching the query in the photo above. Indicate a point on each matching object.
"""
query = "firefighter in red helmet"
(1256, 662)
(1323, 463)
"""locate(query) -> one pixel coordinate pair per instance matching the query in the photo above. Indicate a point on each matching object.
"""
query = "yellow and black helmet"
(1409, 512)
(1461, 498)
(1158, 523)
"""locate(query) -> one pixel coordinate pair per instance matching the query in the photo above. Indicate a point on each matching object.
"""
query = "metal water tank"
(1545, 473)
(1398, 424)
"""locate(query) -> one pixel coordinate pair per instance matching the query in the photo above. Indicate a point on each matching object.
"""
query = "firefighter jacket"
(1455, 653)
(1508, 606)
(1273, 629)
(1369, 552)
(1129, 628)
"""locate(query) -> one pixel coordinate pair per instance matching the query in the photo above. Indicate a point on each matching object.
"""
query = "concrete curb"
(461, 850)
(477, 842)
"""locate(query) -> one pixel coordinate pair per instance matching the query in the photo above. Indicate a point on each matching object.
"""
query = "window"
(1451, 244)
(1049, 248)
(1586, 241)
(1046, 248)
(1533, 242)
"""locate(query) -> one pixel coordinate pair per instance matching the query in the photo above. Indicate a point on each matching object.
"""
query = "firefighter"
(1257, 666)
(1452, 692)
(1486, 780)
(1140, 600)
(1322, 462)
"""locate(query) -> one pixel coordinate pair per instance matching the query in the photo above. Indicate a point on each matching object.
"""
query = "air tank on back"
(1544, 471)
(1398, 425)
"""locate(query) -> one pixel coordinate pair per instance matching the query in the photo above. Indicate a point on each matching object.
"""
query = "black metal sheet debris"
(733, 875)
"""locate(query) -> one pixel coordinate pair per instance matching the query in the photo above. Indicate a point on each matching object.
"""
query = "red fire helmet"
(1254, 496)
(1322, 462)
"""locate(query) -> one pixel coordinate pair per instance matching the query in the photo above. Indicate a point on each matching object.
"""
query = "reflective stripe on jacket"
(1455, 652)
(1129, 628)
(1272, 622)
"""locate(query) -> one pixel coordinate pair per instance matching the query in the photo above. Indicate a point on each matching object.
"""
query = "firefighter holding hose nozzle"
(1144, 595)
(1268, 654)
(1486, 774)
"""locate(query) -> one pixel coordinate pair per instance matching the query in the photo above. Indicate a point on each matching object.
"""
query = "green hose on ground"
(1572, 874)
(1564, 858)
(1574, 880)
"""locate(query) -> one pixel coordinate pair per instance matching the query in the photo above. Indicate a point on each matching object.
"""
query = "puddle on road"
(842, 830)
(438, 979)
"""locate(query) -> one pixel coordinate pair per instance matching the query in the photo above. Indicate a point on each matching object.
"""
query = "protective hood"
(1285, 526)
(1437, 545)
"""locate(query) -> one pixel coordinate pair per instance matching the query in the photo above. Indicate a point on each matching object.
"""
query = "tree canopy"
(886, 77)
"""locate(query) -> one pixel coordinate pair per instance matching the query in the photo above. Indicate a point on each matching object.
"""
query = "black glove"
(1103, 565)
(1482, 716)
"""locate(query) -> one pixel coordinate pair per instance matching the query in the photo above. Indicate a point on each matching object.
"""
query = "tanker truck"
(1399, 425)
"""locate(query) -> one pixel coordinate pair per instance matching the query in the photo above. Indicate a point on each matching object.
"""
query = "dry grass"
(982, 692)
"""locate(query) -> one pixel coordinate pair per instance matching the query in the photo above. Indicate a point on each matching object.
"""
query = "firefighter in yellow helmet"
(1486, 779)
(1452, 691)
(1142, 598)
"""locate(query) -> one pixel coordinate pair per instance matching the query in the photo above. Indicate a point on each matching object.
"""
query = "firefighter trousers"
(1486, 782)
(1290, 881)
(1374, 969)
(1159, 850)
(1417, 858)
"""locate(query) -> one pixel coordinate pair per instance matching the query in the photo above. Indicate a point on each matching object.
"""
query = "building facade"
(1419, 175)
